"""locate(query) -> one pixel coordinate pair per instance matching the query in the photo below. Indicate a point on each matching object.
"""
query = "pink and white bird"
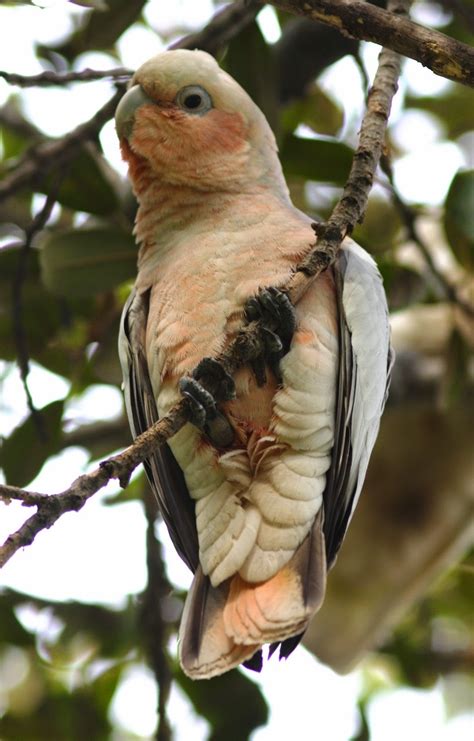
(257, 494)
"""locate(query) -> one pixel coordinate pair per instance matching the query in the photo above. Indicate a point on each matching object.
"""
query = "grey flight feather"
(163, 472)
(365, 362)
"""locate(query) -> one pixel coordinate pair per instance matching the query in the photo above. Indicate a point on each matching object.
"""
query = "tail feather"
(226, 625)
(205, 648)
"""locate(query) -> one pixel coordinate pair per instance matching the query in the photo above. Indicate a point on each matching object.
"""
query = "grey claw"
(204, 413)
(216, 378)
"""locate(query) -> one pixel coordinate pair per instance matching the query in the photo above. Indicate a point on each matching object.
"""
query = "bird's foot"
(275, 314)
(208, 385)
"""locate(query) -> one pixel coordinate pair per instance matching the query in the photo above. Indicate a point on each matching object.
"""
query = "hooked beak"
(125, 113)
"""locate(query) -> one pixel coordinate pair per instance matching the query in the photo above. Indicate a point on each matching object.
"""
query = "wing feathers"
(163, 472)
(365, 361)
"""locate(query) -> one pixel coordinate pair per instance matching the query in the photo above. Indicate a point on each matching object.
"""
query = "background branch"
(361, 20)
(44, 157)
(222, 28)
(50, 78)
(155, 629)
(22, 354)
(409, 218)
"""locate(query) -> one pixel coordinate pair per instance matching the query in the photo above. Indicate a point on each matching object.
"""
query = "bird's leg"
(276, 318)
(205, 388)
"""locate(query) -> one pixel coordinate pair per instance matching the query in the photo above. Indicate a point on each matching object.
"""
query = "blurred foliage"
(59, 683)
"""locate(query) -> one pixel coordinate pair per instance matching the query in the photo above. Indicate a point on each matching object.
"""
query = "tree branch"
(222, 28)
(361, 20)
(351, 207)
(50, 78)
(52, 507)
(19, 333)
(247, 344)
(154, 626)
(50, 155)
(409, 218)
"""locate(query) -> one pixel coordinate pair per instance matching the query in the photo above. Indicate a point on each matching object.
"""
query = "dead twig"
(222, 28)
(409, 218)
(54, 154)
(154, 627)
(19, 333)
(50, 78)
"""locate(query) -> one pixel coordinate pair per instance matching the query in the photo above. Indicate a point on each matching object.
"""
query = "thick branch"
(361, 20)
(351, 207)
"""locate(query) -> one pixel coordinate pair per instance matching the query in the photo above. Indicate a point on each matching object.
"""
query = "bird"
(258, 488)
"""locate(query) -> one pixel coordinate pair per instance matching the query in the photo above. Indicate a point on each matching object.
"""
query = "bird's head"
(185, 121)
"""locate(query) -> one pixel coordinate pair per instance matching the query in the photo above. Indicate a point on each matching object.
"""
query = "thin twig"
(120, 467)
(351, 207)
(362, 20)
(43, 158)
(154, 627)
(409, 217)
(247, 344)
(222, 28)
(19, 333)
(50, 78)
(462, 10)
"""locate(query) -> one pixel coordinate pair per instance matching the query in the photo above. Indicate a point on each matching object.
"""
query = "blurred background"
(88, 613)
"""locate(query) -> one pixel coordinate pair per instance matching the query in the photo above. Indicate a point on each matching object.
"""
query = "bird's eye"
(194, 99)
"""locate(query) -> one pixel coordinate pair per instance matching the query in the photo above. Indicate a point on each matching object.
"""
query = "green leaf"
(381, 226)
(459, 217)
(87, 186)
(232, 704)
(456, 376)
(84, 262)
(453, 109)
(23, 454)
(316, 159)
(318, 111)
(402, 284)
(100, 29)
(41, 316)
(52, 325)
(58, 715)
(105, 360)
(250, 61)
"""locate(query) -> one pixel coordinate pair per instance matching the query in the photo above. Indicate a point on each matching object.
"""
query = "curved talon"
(205, 414)
(200, 406)
(277, 322)
(216, 379)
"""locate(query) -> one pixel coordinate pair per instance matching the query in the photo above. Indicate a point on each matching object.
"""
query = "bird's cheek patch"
(223, 131)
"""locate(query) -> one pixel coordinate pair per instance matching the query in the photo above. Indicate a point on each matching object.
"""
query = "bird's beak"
(125, 113)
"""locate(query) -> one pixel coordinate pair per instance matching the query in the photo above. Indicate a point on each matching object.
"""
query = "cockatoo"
(258, 490)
